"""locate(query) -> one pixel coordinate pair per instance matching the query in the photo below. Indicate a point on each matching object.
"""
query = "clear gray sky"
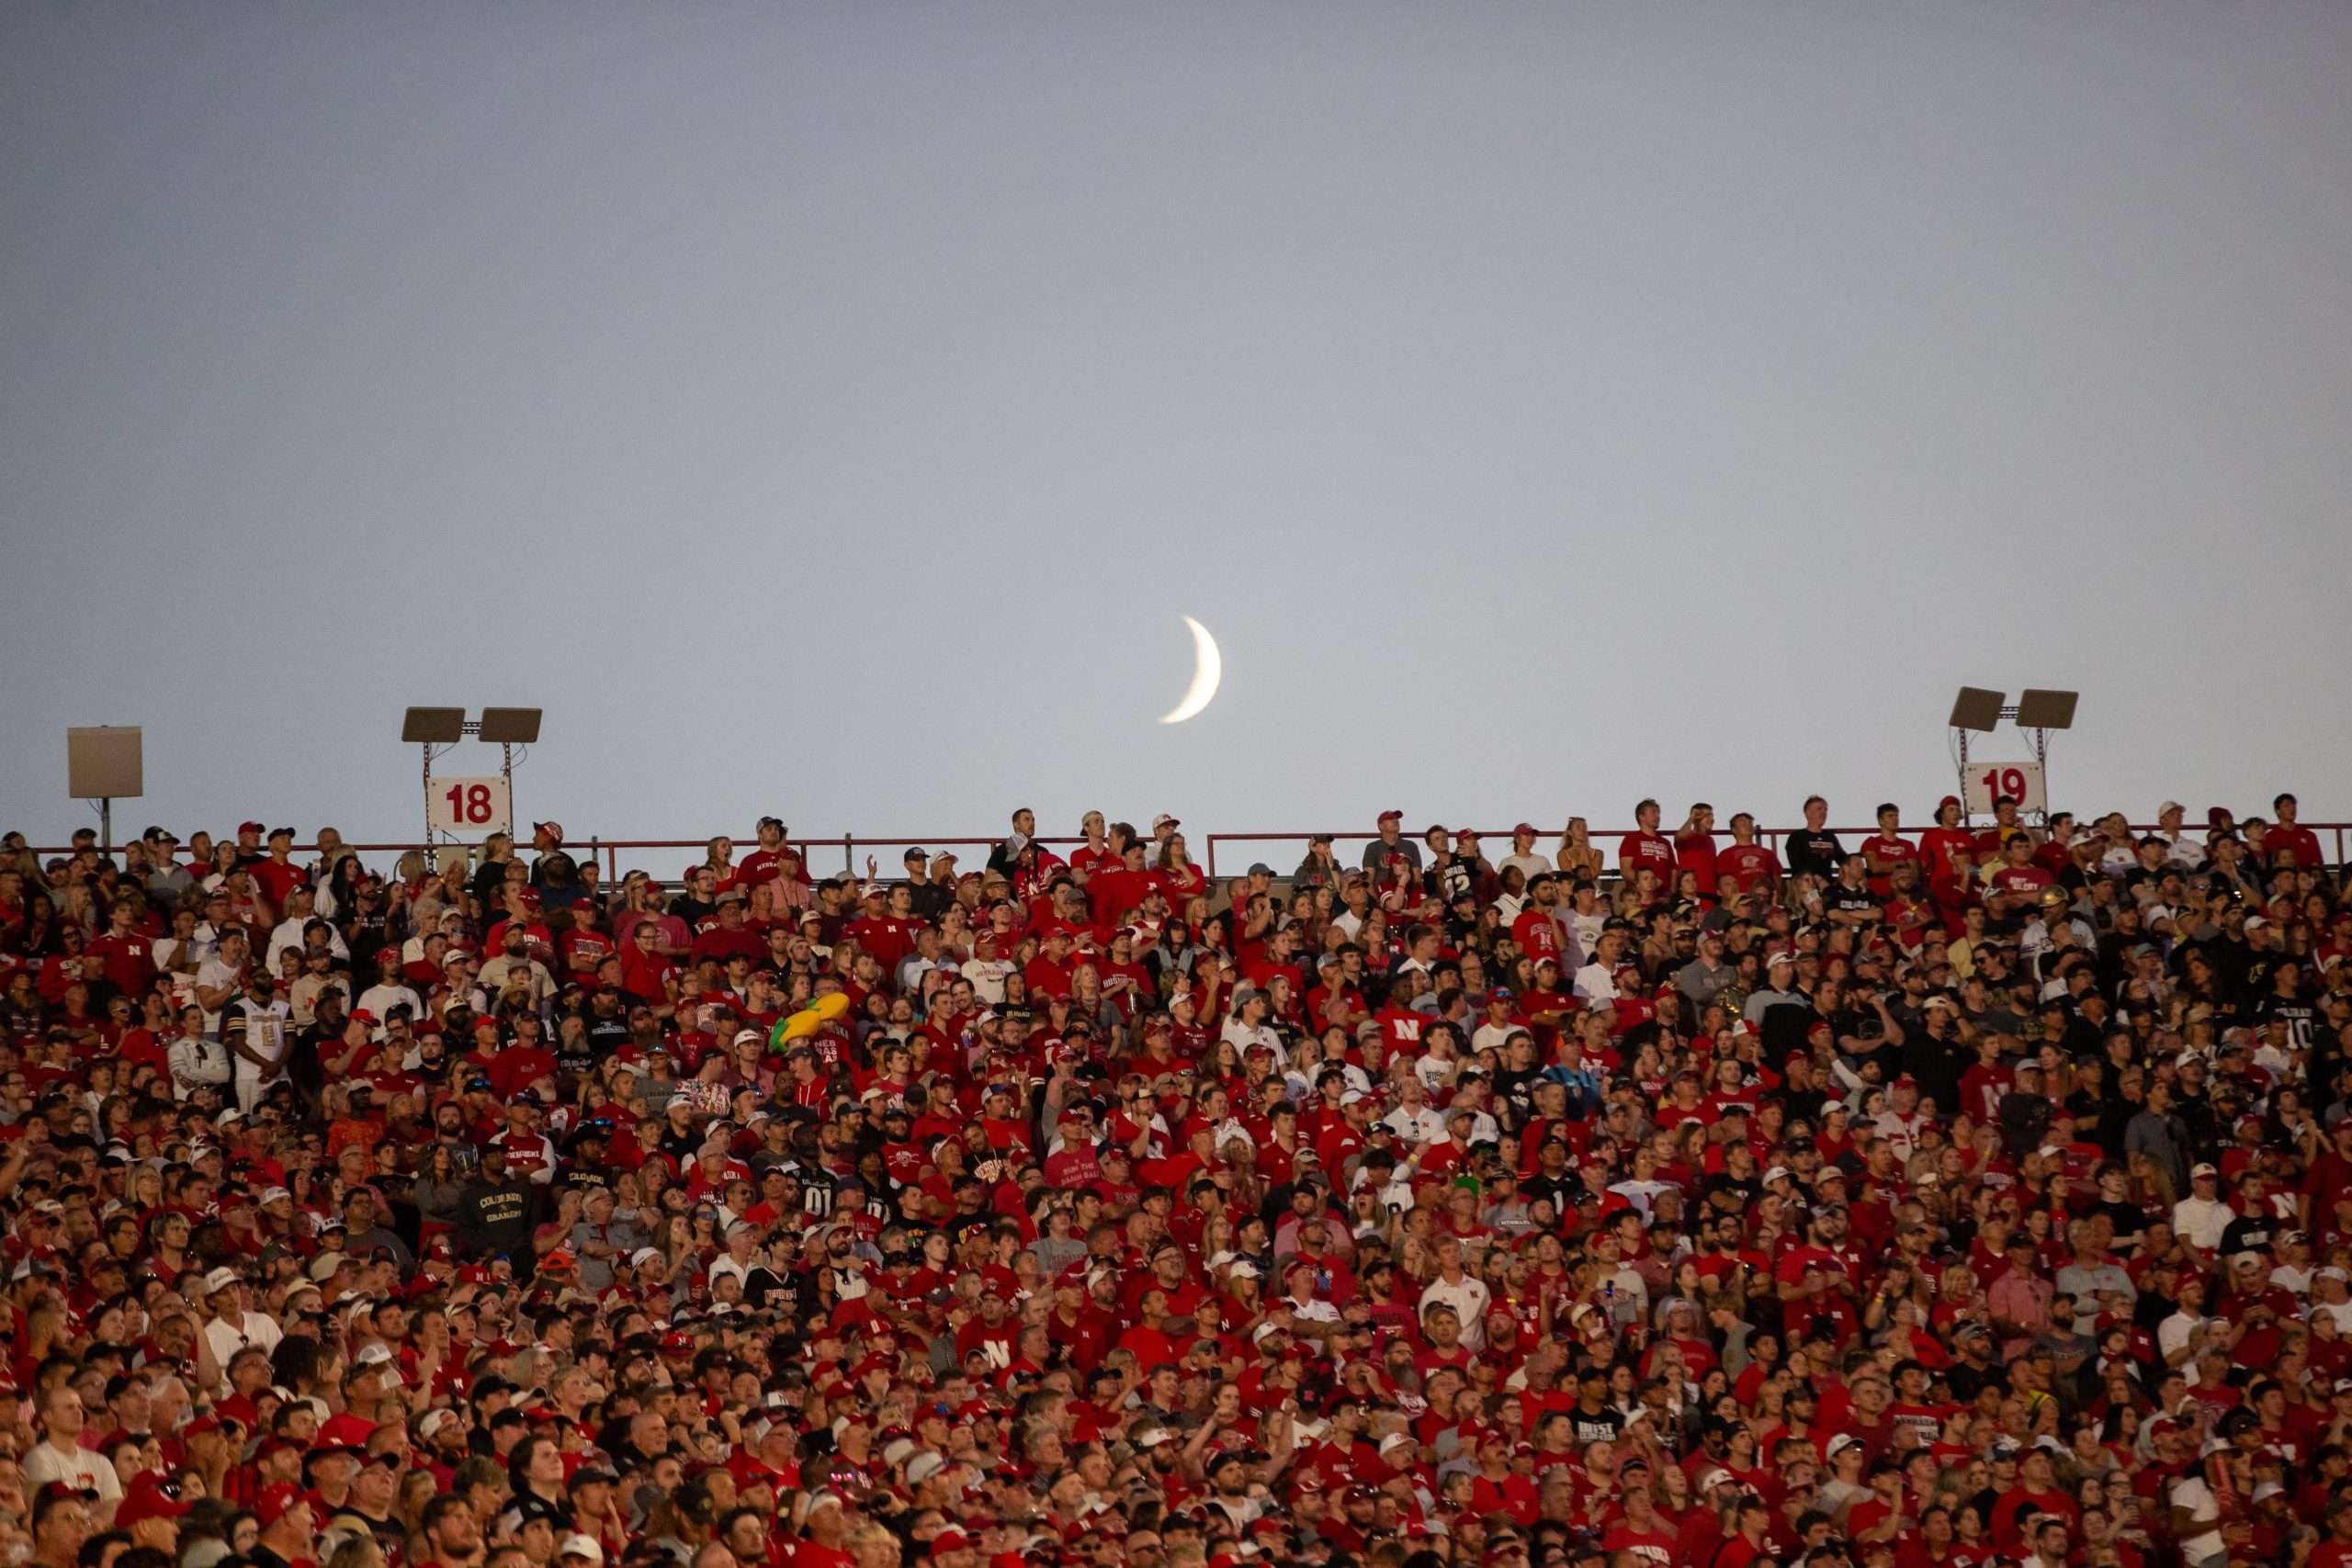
(831, 410)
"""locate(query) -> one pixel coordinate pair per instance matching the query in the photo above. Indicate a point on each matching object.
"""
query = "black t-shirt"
(817, 1192)
(1595, 1427)
(2249, 1233)
(1812, 853)
(1561, 1190)
(2129, 1219)
(766, 1288)
(1517, 1090)
(576, 1056)
(1748, 1190)
(583, 1177)
(1967, 1381)
(1786, 1027)
(2301, 1018)
(605, 1035)
(1840, 899)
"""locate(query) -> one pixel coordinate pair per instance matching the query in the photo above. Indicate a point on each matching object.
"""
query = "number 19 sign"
(469, 807)
(2021, 782)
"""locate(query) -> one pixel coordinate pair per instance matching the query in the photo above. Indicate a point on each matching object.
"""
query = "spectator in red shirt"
(1645, 848)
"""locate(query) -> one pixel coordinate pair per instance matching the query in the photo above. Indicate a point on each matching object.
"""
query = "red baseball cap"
(151, 1497)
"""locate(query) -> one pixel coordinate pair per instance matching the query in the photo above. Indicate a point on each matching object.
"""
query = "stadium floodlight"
(1976, 708)
(2046, 710)
(106, 764)
(509, 727)
(434, 727)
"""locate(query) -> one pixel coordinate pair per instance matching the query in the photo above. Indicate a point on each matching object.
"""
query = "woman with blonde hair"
(719, 858)
(1578, 856)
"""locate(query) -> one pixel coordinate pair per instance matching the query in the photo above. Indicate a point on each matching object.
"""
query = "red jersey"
(1647, 851)
(1537, 933)
(1696, 852)
(1741, 867)
(1880, 856)
(129, 960)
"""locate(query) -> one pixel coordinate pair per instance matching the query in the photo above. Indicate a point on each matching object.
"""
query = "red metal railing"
(855, 847)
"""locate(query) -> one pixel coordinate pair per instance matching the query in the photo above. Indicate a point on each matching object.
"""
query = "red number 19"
(1999, 782)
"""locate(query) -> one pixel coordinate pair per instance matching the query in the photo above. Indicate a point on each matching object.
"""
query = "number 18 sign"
(2021, 782)
(469, 807)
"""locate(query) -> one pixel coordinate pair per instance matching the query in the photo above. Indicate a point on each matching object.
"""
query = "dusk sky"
(831, 411)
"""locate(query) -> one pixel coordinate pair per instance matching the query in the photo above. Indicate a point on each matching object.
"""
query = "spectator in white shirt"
(197, 1060)
(2202, 1217)
(1415, 1120)
(1596, 981)
(1457, 1288)
(60, 1456)
(233, 1328)
(291, 931)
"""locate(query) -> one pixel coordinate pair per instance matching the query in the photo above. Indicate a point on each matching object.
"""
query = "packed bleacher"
(1974, 1194)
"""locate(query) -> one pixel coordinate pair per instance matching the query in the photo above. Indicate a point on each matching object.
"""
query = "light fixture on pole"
(1975, 709)
(2043, 712)
(2024, 784)
(429, 727)
(507, 728)
(106, 764)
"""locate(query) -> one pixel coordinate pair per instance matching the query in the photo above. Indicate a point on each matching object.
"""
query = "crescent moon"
(1208, 669)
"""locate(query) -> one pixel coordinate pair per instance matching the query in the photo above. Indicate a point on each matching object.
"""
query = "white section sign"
(469, 807)
(2020, 782)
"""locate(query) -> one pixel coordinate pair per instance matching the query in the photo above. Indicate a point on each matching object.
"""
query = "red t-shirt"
(1649, 851)
(1647, 1546)
(1537, 933)
(1696, 852)
(1745, 866)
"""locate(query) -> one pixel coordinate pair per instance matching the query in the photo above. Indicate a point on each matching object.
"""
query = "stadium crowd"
(1967, 1196)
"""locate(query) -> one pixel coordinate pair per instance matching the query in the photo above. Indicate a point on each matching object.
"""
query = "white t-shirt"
(2202, 1221)
(212, 975)
(47, 1462)
(1415, 1126)
(1493, 1037)
(1468, 1299)
(288, 934)
(252, 1329)
(1531, 866)
(987, 976)
(1434, 1070)
(2191, 1493)
(376, 1001)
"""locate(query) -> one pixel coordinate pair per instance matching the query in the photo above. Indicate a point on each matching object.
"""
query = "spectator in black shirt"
(1592, 1420)
(1976, 1369)
(2024, 1111)
(1811, 852)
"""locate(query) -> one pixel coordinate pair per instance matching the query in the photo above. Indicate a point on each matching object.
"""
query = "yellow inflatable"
(808, 1021)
